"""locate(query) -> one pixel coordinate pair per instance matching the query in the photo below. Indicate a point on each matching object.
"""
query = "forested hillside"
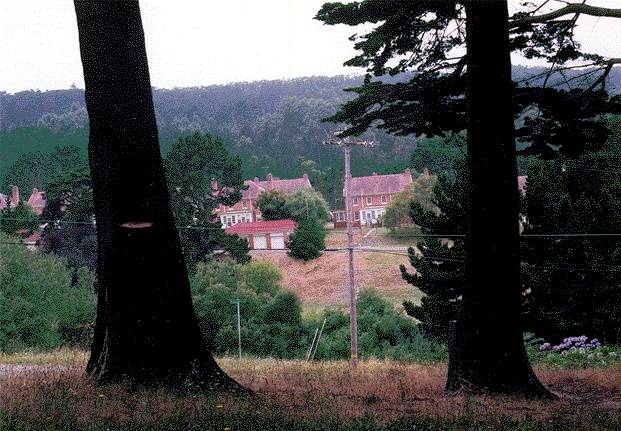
(275, 126)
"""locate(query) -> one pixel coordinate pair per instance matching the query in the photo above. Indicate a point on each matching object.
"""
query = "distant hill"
(274, 126)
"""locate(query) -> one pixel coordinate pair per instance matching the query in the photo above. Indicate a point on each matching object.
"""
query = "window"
(369, 200)
(234, 220)
(223, 219)
(340, 216)
(383, 199)
(356, 215)
(245, 203)
(355, 200)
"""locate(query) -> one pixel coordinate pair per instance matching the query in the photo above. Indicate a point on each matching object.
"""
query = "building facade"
(246, 210)
(370, 195)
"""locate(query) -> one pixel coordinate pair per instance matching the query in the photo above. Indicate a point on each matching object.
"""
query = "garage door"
(260, 242)
(278, 241)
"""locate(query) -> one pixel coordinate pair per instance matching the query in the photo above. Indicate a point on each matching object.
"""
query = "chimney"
(408, 175)
(269, 177)
(305, 176)
(214, 187)
(374, 174)
(14, 196)
(425, 172)
(269, 181)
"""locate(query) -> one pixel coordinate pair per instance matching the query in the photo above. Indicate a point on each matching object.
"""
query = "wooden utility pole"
(346, 144)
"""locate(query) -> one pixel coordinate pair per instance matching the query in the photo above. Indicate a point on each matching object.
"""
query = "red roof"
(263, 226)
(289, 186)
(380, 184)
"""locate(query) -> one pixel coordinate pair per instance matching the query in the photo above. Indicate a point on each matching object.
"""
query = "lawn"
(299, 395)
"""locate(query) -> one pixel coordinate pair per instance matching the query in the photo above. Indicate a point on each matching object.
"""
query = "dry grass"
(324, 281)
(386, 390)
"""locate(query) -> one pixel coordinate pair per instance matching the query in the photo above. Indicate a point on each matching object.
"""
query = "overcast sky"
(203, 42)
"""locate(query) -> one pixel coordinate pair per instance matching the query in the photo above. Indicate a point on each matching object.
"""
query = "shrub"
(39, 307)
(307, 242)
(382, 333)
(271, 323)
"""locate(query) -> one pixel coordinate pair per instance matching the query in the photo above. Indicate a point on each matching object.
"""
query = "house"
(370, 195)
(264, 234)
(36, 200)
(246, 210)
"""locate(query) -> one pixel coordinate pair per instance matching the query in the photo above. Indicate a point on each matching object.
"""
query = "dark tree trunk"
(489, 355)
(146, 330)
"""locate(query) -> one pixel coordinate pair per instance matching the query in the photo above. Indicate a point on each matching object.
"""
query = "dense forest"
(274, 126)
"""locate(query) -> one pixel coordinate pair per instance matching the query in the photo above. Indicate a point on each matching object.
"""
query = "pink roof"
(36, 201)
(3, 201)
(379, 184)
(264, 226)
(289, 186)
(522, 183)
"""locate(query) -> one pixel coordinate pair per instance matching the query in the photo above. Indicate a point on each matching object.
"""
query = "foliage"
(438, 153)
(421, 42)
(40, 307)
(420, 190)
(308, 203)
(574, 283)
(383, 333)
(438, 262)
(573, 352)
(201, 176)
(19, 221)
(308, 240)
(37, 168)
(273, 205)
(69, 200)
(271, 324)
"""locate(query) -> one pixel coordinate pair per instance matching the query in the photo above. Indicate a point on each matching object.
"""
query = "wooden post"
(347, 143)
(353, 321)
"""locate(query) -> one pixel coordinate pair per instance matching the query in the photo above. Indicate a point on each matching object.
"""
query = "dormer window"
(369, 200)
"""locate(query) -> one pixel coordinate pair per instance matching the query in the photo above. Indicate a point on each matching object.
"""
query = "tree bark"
(490, 354)
(146, 330)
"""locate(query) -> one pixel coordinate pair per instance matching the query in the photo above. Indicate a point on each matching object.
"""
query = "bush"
(307, 241)
(271, 324)
(39, 307)
(382, 333)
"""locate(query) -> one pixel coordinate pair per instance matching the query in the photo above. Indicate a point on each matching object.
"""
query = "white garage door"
(260, 242)
(278, 241)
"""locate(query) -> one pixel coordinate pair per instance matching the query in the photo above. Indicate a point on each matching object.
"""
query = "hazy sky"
(203, 42)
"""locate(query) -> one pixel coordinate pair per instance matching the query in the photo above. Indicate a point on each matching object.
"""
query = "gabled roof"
(263, 226)
(287, 186)
(36, 201)
(380, 184)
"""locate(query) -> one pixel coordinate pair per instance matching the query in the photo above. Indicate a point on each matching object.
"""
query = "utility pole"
(238, 301)
(346, 144)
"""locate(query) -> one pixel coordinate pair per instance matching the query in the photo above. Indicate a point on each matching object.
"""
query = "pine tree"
(438, 262)
(307, 242)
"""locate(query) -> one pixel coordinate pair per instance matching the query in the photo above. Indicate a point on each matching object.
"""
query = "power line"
(420, 235)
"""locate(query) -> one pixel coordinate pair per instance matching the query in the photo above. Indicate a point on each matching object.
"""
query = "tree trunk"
(490, 354)
(146, 330)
